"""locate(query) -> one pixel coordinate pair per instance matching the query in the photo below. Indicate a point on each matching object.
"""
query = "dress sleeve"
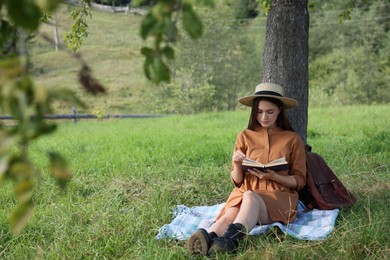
(298, 162)
(239, 145)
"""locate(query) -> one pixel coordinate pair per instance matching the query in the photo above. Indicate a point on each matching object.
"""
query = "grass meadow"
(130, 173)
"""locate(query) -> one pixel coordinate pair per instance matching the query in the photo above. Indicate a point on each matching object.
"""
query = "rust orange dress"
(265, 145)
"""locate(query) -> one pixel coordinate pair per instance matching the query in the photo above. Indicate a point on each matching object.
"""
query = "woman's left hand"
(288, 181)
(263, 175)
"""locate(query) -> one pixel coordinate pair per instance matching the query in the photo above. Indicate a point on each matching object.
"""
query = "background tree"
(224, 58)
(285, 58)
(348, 61)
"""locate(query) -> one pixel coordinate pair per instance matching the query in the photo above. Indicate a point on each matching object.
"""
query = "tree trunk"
(285, 58)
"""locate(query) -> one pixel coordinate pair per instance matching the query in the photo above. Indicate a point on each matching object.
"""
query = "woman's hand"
(263, 175)
(237, 174)
(288, 181)
(238, 156)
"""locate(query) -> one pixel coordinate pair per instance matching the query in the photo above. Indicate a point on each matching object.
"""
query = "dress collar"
(269, 130)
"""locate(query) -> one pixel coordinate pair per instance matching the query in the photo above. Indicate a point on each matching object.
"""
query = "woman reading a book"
(261, 195)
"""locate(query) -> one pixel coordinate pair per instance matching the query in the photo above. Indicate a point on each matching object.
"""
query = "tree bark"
(285, 57)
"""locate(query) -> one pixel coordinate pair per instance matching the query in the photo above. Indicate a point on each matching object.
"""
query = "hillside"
(348, 63)
(111, 50)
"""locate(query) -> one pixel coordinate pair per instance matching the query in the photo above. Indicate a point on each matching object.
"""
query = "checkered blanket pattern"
(311, 225)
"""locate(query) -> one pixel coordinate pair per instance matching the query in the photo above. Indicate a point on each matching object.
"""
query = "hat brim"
(288, 102)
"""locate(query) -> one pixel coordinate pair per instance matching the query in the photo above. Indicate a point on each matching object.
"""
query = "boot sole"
(198, 243)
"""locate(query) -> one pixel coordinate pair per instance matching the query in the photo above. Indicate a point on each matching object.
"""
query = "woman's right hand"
(238, 157)
(237, 173)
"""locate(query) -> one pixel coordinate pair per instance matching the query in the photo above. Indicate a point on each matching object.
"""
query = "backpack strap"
(338, 191)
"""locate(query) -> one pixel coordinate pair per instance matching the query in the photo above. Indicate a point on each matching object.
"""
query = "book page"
(250, 162)
(279, 161)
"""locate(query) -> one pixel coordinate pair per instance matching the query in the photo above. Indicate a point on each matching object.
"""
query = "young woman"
(258, 197)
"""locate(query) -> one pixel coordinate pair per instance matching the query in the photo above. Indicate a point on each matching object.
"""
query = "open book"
(277, 165)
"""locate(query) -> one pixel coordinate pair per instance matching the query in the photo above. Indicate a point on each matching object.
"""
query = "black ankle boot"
(200, 241)
(228, 242)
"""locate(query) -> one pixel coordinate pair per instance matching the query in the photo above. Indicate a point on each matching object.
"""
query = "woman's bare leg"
(252, 211)
(222, 223)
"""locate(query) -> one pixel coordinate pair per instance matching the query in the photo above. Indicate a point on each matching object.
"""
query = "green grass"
(129, 174)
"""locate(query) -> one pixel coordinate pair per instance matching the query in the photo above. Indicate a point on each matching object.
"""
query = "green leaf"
(24, 190)
(161, 10)
(191, 22)
(60, 169)
(26, 86)
(149, 55)
(168, 52)
(156, 70)
(16, 108)
(10, 67)
(79, 31)
(147, 64)
(147, 25)
(24, 13)
(163, 26)
(38, 127)
(160, 71)
(6, 32)
(45, 128)
(266, 4)
(21, 97)
(20, 216)
(148, 52)
(20, 170)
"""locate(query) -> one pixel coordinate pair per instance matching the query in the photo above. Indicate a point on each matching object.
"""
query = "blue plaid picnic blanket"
(312, 225)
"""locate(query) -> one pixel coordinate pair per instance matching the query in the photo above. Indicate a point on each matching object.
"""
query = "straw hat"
(271, 90)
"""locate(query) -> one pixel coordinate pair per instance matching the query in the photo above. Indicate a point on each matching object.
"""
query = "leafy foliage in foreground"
(27, 103)
(129, 174)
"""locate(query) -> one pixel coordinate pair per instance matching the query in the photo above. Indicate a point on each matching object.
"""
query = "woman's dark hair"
(282, 120)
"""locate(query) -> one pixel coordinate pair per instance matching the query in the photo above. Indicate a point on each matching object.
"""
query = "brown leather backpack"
(323, 190)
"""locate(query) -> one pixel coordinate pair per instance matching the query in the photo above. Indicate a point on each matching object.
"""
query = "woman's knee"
(230, 215)
(251, 196)
(252, 199)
